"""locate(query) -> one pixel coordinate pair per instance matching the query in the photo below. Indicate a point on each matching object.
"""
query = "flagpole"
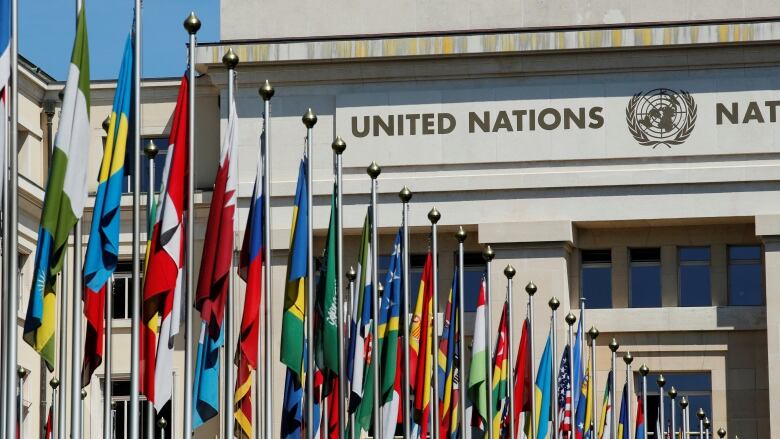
(161, 424)
(672, 401)
(266, 92)
(644, 370)
(22, 373)
(338, 146)
(510, 272)
(135, 366)
(488, 254)
(406, 195)
(721, 433)
(571, 319)
(661, 381)
(191, 25)
(628, 359)
(554, 304)
(11, 225)
(54, 383)
(700, 414)
(462, 377)
(150, 150)
(230, 60)
(530, 288)
(684, 406)
(107, 358)
(434, 216)
(707, 429)
(309, 120)
(62, 366)
(613, 346)
(373, 171)
(351, 274)
(594, 334)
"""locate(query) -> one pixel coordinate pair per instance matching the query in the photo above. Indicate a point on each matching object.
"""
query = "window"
(120, 395)
(696, 386)
(473, 271)
(123, 290)
(694, 276)
(746, 283)
(159, 165)
(645, 278)
(596, 278)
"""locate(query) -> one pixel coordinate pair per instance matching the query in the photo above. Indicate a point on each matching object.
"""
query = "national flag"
(360, 325)
(292, 406)
(48, 427)
(164, 276)
(389, 342)
(564, 394)
(640, 417)
(63, 203)
(583, 411)
(5, 75)
(606, 408)
(297, 269)
(578, 363)
(522, 378)
(250, 268)
(500, 375)
(103, 246)
(326, 323)
(623, 427)
(214, 279)
(479, 366)
(543, 391)
(421, 347)
(448, 366)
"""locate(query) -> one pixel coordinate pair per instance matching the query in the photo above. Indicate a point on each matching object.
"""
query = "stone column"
(768, 228)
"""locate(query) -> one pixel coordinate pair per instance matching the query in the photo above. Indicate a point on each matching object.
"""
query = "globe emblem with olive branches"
(661, 117)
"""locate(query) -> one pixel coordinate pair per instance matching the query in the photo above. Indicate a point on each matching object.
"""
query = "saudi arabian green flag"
(326, 334)
(63, 204)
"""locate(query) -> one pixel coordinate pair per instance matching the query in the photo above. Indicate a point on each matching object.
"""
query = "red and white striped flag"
(164, 273)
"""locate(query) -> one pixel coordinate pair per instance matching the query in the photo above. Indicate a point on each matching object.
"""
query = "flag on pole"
(420, 343)
(640, 417)
(623, 427)
(389, 341)
(500, 375)
(578, 363)
(564, 394)
(326, 323)
(522, 379)
(293, 352)
(582, 414)
(103, 247)
(63, 203)
(448, 366)
(360, 325)
(250, 268)
(606, 409)
(214, 279)
(5, 75)
(164, 275)
(295, 290)
(479, 365)
(543, 389)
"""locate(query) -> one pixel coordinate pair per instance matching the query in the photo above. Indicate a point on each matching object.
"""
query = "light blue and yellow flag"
(543, 390)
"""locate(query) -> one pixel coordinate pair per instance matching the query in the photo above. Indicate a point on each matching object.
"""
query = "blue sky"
(46, 30)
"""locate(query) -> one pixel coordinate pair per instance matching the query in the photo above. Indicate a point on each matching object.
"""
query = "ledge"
(526, 232)
(431, 45)
(711, 318)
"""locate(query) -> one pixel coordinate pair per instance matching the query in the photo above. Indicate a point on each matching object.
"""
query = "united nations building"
(623, 157)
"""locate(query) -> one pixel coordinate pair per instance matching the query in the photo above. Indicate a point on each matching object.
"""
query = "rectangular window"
(694, 276)
(123, 290)
(596, 278)
(159, 165)
(474, 270)
(696, 386)
(120, 396)
(645, 278)
(746, 276)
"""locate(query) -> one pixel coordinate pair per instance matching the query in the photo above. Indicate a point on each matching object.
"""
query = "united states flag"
(564, 395)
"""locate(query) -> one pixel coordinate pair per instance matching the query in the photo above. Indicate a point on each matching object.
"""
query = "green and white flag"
(327, 303)
(479, 362)
(63, 204)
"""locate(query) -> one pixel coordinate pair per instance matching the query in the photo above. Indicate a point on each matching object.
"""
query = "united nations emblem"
(661, 117)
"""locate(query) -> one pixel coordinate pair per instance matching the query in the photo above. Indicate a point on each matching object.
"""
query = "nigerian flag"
(63, 202)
